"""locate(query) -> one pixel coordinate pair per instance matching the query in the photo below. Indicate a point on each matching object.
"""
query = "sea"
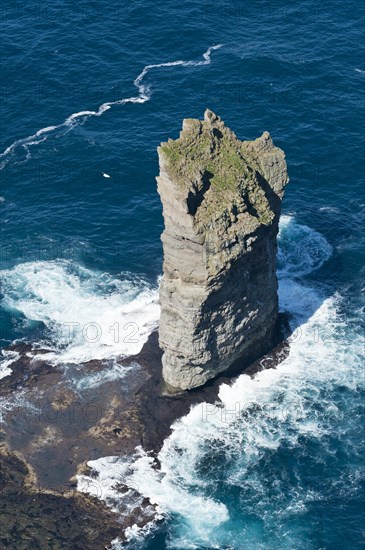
(89, 89)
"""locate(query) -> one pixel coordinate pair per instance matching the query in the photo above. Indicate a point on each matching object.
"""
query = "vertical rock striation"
(221, 201)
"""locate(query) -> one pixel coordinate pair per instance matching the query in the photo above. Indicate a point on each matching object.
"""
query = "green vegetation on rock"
(207, 150)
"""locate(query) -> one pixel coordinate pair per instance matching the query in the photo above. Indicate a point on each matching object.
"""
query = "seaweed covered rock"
(221, 201)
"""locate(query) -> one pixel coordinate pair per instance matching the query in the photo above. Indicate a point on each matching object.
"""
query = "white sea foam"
(144, 94)
(159, 487)
(88, 315)
(330, 209)
(112, 372)
(301, 249)
(7, 358)
(17, 400)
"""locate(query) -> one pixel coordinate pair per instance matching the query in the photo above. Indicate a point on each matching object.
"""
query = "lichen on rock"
(221, 202)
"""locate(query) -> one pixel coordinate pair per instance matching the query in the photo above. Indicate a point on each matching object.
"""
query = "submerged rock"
(221, 201)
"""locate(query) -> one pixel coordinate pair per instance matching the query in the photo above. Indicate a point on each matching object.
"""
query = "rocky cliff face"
(221, 201)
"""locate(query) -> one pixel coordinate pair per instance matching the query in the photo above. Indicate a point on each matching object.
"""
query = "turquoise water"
(285, 468)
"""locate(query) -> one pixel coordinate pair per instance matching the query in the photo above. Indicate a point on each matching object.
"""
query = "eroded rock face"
(221, 201)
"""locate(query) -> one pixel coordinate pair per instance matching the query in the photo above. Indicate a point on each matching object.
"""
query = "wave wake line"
(144, 94)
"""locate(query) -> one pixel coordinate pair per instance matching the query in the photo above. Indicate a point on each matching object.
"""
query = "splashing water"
(83, 314)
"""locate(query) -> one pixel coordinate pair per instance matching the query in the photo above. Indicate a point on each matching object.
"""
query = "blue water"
(78, 246)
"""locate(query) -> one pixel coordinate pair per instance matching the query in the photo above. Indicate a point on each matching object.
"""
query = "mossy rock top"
(209, 158)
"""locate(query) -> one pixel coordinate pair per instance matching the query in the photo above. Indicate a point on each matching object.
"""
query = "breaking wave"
(81, 314)
(302, 250)
(7, 357)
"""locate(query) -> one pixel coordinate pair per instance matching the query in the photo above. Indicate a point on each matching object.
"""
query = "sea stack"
(221, 200)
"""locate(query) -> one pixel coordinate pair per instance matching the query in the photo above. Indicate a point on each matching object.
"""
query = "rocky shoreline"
(49, 438)
(37, 518)
(221, 201)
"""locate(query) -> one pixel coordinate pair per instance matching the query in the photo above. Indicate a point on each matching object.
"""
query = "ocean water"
(89, 89)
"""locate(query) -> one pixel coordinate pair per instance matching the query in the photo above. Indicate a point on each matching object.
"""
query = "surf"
(284, 410)
(81, 314)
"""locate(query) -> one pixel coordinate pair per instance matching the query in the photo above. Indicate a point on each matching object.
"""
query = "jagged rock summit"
(221, 201)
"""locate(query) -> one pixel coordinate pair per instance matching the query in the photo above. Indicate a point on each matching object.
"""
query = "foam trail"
(144, 94)
(109, 374)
